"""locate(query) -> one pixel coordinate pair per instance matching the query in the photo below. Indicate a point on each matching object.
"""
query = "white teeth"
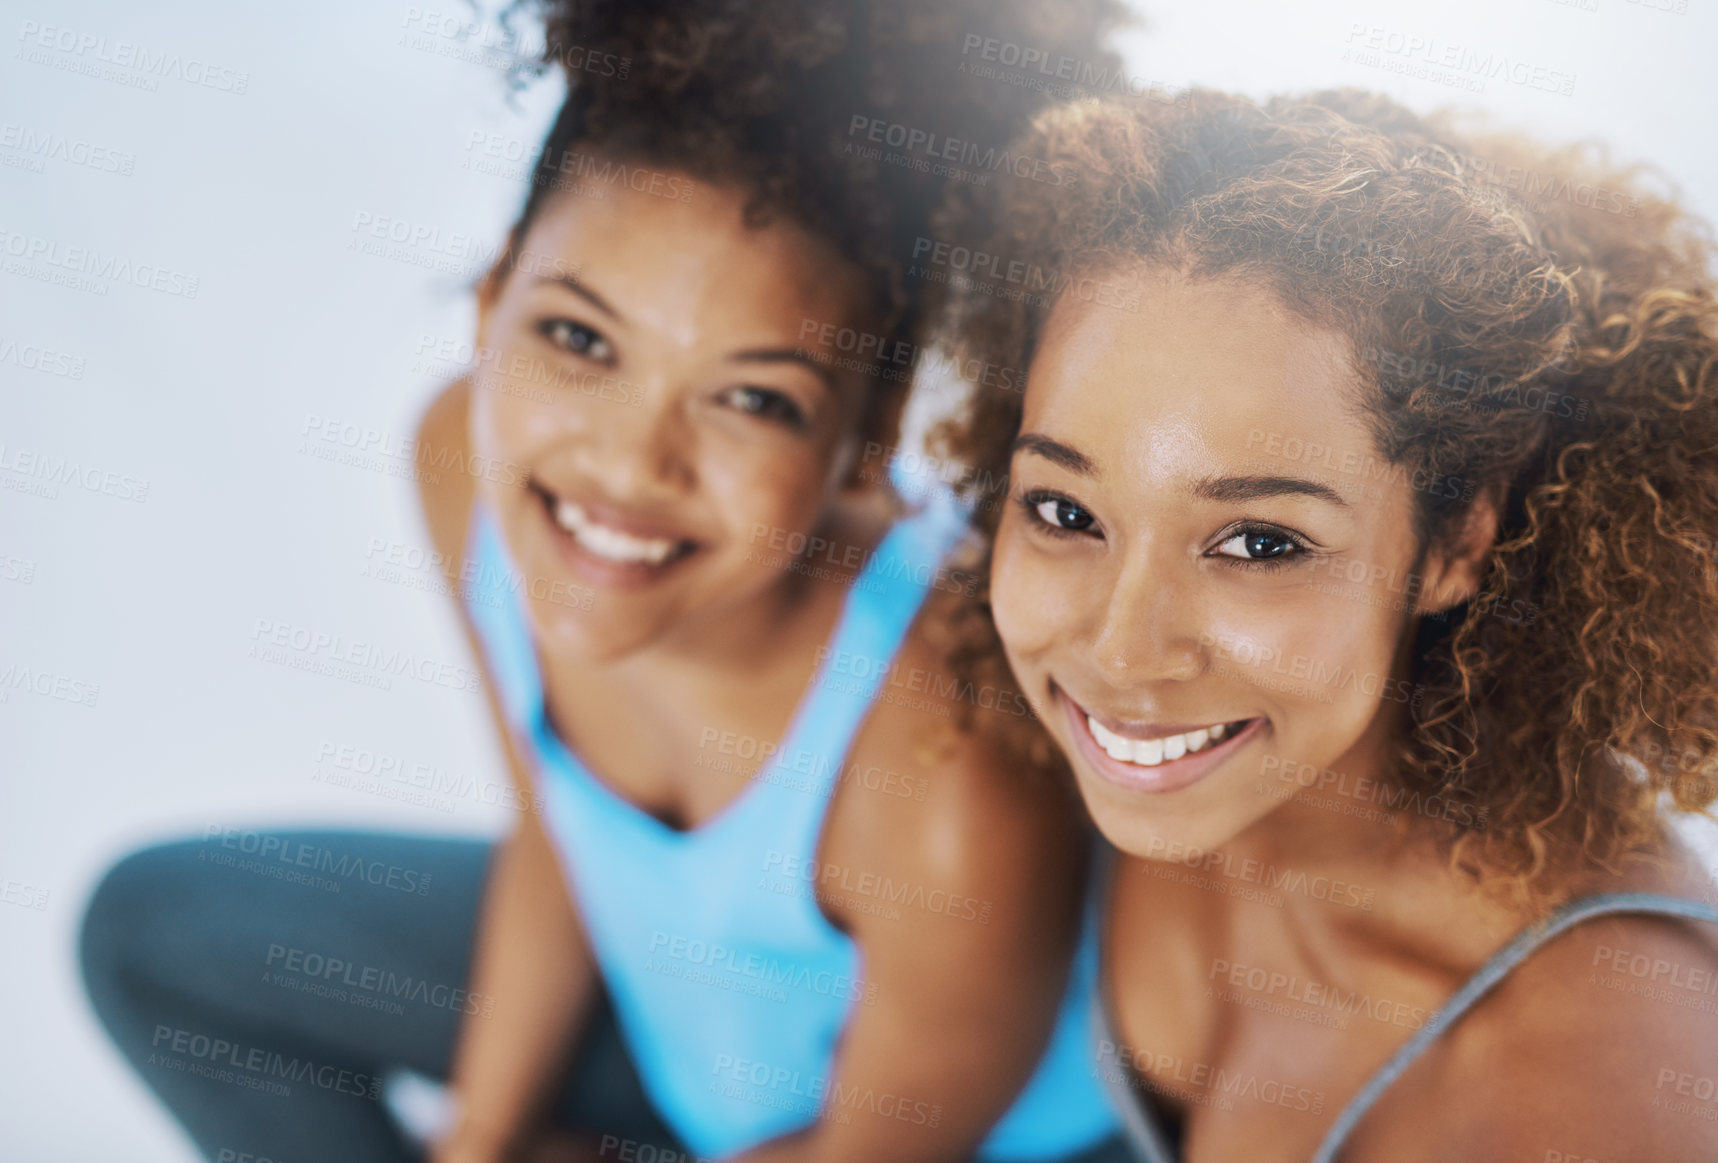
(610, 543)
(1151, 752)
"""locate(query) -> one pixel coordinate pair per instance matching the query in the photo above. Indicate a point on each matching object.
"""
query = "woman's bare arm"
(964, 978)
(531, 965)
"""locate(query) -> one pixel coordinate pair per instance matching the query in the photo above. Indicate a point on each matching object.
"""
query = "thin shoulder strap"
(884, 600)
(491, 594)
(1482, 982)
(1144, 1139)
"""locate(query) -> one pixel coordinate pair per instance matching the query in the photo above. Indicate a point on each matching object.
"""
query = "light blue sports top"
(730, 986)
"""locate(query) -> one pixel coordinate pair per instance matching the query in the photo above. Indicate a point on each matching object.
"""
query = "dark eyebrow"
(582, 292)
(788, 355)
(1253, 488)
(1057, 453)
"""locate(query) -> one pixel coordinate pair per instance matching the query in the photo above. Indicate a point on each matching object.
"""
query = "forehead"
(1202, 369)
(677, 260)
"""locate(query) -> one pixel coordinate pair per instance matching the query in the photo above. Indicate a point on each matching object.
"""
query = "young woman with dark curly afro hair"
(763, 901)
(1357, 557)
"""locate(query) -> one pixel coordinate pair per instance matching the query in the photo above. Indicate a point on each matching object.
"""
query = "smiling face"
(654, 416)
(1206, 572)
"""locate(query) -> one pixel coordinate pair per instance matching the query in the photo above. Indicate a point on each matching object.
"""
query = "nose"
(636, 442)
(1148, 628)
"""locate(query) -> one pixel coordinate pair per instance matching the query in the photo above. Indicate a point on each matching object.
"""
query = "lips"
(609, 541)
(1156, 757)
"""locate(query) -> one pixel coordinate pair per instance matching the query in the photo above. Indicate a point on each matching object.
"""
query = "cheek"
(504, 424)
(762, 492)
(1030, 607)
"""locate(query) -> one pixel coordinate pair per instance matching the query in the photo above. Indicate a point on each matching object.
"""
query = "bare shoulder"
(446, 497)
(934, 801)
(1601, 1045)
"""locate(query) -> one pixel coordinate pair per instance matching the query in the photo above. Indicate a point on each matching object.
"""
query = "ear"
(1453, 571)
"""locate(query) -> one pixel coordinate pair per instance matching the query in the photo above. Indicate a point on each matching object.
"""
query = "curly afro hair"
(1579, 689)
(779, 97)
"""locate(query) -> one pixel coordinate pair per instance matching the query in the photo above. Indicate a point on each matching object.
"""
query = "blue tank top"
(730, 986)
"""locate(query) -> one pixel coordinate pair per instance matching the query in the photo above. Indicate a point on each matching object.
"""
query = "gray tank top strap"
(1482, 982)
(1143, 1136)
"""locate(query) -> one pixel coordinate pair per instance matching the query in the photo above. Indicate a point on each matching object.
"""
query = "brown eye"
(1061, 513)
(1260, 545)
(576, 338)
(766, 405)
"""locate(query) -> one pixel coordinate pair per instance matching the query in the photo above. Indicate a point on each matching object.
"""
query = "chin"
(1153, 832)
(580, 636)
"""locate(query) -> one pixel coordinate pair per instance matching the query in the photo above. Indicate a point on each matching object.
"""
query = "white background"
(207, 399)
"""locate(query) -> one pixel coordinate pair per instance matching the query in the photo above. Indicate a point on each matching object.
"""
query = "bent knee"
(147, 913)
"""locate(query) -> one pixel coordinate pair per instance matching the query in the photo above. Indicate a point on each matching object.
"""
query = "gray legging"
(261, 983)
